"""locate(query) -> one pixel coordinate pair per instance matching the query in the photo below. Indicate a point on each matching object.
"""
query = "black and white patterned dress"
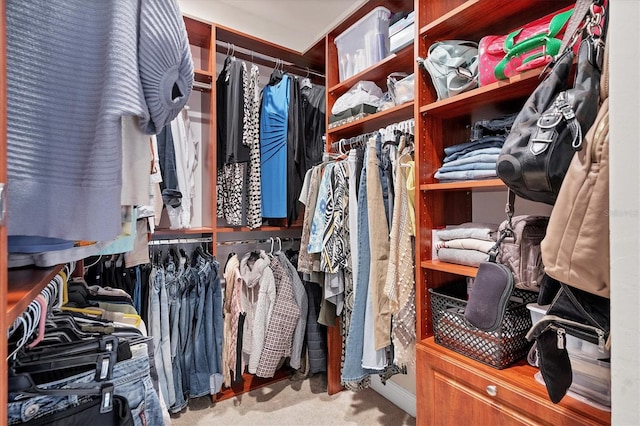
(252, 138)
(231, 178)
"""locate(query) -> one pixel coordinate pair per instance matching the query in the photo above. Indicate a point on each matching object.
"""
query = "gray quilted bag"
(520, 249)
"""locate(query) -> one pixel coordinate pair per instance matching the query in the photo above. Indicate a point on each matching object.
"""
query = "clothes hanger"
(276, 74)
(306, 82)
(99, 343)
(41, 321)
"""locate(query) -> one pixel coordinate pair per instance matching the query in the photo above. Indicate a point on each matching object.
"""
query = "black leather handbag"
(550, 127)
(572, 312)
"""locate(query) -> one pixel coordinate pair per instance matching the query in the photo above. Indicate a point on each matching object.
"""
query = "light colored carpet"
(295, 403)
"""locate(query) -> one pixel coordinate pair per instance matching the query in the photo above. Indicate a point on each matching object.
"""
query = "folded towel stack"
(466, 244)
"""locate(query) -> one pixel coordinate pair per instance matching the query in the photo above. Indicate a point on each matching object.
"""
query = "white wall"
(295, 24)
(624, 33)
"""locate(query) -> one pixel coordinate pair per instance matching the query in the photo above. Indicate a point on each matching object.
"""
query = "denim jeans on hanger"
(161, 338)
(187, 313)
(214, 325)
(378, 310)
(352, 371)
(199, 384)
(130, 379)
(174, 294)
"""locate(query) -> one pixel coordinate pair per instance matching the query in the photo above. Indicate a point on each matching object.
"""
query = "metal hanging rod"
(180, 241)
(263, 241)
(233, 49)
(405, 126)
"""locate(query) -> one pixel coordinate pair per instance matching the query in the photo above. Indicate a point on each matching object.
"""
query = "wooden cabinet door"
(447, 399)
(455, 403)
(454, 390)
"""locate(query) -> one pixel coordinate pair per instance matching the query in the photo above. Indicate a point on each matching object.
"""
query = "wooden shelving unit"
(402, 61)
(372, 122)
(451, 387)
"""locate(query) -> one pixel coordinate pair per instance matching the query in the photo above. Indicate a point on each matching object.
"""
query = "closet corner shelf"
(488, 184)
(164, 231)
(24, 284)
(462, 22)
(401, 61)
(452, 268)
(373, 122)
(518, 86)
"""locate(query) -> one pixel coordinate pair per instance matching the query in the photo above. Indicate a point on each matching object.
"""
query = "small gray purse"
(453, 66)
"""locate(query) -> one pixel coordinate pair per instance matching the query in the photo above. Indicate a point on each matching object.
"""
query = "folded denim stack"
(477, 158)
(466, 244)
(471, 160)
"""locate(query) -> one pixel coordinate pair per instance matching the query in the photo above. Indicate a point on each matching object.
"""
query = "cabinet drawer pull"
(492, 390)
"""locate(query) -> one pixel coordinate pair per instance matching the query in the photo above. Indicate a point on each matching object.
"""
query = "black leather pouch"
(489, 296)
(554, 363)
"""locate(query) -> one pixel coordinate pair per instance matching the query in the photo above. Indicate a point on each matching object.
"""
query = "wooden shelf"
(397, 62)
(436, 265)
(199, 32)
(373, 122)
(488, 184)
(24, 285)
(463, 23)
(164, 231)
(518, 86)
(203, 76)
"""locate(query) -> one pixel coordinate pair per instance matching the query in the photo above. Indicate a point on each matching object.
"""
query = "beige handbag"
(575, 250)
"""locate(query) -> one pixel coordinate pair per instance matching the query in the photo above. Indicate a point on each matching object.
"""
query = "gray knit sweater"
(74, 67)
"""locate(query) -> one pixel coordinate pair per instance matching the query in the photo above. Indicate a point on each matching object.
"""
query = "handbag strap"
(508, 230)
(580, 11)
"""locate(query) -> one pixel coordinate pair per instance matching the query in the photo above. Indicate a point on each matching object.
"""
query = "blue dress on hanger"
(273, 148)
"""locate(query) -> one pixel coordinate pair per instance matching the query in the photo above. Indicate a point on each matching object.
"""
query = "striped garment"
(74, 68)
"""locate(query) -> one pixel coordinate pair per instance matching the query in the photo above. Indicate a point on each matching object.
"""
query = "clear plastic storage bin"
(590, 368)
(403, 90)
(363, 44)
